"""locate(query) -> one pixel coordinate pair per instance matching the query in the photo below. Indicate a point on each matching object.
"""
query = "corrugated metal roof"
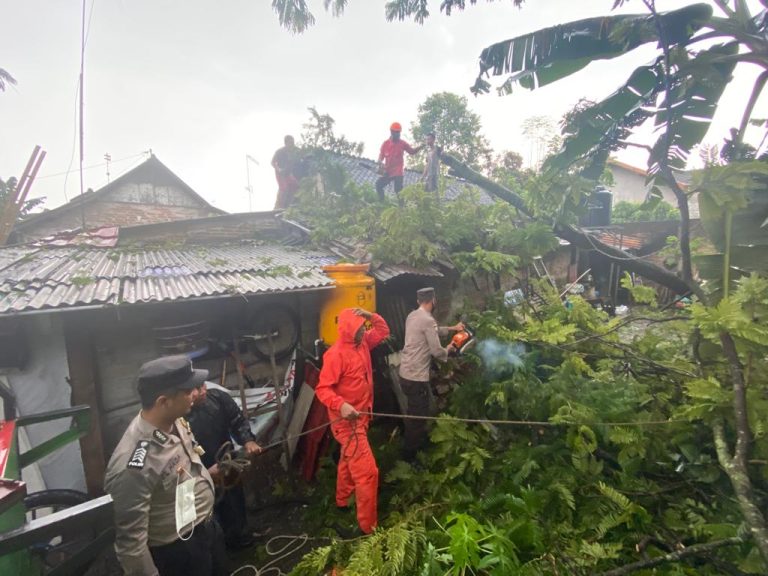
(35, 279)
(387, 272)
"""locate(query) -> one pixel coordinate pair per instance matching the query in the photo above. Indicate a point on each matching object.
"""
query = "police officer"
(215, 420)
(422, 344)
(163, 494)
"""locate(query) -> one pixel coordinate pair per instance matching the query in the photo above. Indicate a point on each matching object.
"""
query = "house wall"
(41, 386)
(128, 205)
(629, 186)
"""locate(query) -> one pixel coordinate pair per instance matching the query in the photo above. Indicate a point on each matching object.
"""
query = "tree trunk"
(742, 486)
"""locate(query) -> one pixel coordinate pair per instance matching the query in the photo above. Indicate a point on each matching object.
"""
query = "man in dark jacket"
(216, 419)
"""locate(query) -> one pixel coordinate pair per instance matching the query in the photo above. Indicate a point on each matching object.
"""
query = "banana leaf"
(599, 129)
(547, 55)
(683, 118)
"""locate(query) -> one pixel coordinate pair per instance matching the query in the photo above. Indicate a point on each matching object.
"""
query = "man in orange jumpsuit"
(346, 389)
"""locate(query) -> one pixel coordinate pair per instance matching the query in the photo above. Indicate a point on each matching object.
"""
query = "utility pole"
(108, 158)
(249, 188)
(18, 196)
(82, 101)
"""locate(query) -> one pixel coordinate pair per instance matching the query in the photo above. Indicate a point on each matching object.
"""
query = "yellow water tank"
(354, 289)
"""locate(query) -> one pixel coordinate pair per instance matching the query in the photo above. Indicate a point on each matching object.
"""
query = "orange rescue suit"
(347, 376)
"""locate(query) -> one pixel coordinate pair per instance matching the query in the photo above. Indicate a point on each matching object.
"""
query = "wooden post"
(278, 396)
(82, 379)
(240, 383)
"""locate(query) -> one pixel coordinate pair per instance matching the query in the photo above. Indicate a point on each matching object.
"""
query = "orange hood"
(349, 324)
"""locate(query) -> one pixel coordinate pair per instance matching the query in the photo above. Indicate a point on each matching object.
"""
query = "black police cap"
(170, 373)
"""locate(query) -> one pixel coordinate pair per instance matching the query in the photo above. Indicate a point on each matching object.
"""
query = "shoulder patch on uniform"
(160, 436)
(139, 455)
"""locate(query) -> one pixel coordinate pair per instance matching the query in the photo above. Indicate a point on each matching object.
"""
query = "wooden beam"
(82, 380)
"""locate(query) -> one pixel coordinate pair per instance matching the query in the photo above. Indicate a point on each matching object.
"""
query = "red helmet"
(395, 127)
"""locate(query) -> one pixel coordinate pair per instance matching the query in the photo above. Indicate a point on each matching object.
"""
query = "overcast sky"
(204, 83)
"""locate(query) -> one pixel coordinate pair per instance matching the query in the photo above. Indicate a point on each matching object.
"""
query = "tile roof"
(623, 241)
(363, 172)
(63, 277)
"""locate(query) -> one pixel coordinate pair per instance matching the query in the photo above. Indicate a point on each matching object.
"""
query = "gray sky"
(204, 83)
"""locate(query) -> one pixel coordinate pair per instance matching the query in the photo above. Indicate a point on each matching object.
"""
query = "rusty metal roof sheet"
(623, 241)
(51, 278)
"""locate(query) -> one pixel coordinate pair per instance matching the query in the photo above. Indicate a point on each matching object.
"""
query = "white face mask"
(185, 504)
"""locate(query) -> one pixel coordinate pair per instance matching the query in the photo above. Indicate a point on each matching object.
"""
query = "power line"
(77, 94)
(99, 165)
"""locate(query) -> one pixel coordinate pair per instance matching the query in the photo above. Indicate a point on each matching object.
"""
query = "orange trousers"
(357, 472)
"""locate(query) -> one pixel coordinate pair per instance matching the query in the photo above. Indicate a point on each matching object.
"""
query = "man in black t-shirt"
(216, 419)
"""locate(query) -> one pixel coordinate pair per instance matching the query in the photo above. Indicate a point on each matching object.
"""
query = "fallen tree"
(576, 236)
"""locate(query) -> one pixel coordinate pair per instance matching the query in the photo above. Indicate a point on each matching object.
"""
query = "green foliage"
(579, 496)
(640, 294)
(457, 129)
(654, 210)
(334, 207)
(8, 188)
(485, 261)
(296, 16)
(540, 58)
(319, 134)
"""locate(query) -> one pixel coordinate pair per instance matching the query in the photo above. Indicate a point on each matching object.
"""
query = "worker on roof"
(391, 164)
(346, 389)
(286, 162)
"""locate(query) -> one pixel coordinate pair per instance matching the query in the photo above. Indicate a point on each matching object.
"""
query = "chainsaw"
(463, 340)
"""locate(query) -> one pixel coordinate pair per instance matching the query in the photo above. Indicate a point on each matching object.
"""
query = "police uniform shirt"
(141, 478)
(422, 343)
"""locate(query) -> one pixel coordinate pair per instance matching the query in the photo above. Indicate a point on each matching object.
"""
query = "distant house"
(149, 193)
(629, 185)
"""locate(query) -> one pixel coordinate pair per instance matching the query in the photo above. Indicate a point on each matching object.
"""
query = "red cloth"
(392, 155)
(287, 185)
(347, 376)
(312, 446)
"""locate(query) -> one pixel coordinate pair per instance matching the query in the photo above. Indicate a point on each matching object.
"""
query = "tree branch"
(695, 550)
(756, 91)
(743, 434)
(742, 486)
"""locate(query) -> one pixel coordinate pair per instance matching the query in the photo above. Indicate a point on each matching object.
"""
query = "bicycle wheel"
(53, 552)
